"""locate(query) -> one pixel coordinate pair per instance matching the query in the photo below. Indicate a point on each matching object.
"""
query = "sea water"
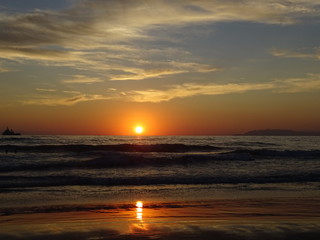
(43, 172)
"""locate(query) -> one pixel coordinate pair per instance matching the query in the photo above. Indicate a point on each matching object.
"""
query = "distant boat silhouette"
(10, 132)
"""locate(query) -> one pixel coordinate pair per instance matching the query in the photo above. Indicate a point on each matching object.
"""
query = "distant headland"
(279, 132)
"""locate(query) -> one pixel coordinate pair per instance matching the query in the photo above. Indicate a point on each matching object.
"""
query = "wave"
(162, 148)
(283, 154)
(106, 159)
(125, 160)
(8, 182)
(112, 148)
(218, 205)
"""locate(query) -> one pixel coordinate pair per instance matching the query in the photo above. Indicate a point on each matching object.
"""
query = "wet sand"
(258, 218)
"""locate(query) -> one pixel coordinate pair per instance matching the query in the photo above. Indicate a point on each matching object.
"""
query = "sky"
(176, 67)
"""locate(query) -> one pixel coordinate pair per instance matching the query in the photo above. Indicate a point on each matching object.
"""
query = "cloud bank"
(310, 83)
(104, 41)
(193, 89)
(98, 34)
(294, 85)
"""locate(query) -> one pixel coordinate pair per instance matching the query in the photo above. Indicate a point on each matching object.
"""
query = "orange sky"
(224, 115)
(176, 68)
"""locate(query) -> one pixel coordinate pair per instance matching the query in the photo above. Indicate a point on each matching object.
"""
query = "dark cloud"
(113, 20)
(44, 28)
(33, 53)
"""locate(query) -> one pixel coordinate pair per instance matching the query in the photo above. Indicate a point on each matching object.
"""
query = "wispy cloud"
(157, 69)
(98, 22)
(82, 79)
(310, 83)
(60, 99)
(54, 97)
(295, 85)
(4, 69)
(45, 56)
(46, 90)
(98, 38)
(79, 36)
(193, 89)
(295, 54)
(140, 74)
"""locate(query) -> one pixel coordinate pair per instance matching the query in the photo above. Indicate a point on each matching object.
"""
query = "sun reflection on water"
(139, 212)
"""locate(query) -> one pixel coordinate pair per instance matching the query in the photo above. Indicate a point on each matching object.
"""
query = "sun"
(139, 204)
(138, 129)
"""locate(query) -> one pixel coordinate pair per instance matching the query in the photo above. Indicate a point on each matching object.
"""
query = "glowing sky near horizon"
(180, 67)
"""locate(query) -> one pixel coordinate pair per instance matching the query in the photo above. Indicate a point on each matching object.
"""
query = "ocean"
(67, 174)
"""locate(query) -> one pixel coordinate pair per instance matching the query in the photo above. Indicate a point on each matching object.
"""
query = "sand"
(257, 218)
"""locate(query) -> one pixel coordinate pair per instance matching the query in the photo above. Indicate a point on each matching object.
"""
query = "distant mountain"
(279, 132)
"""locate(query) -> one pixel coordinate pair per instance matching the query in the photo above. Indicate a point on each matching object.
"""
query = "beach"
(76, 187)
(287, 218)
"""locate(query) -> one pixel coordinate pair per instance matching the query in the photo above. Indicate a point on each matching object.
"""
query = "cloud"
(140, 74)
(166, 69)
(39, 54)
(154, 69)
(82, 79)
(99, 35)
(65, 101)
(98, 38)
(141, 13)
(126, 17)
(4, 69)
(56, 98)
(44, 28)
(294, 54)
(118, 63)
(295, 85)
(45, 90)
(310, 83)
(193, 89)
(92, 24)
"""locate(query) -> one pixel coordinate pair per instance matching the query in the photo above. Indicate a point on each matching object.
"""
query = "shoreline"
(217, 219)
(257, 188)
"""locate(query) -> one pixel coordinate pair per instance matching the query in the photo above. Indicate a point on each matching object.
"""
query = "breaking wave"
(113, 148)
(131, 156)
(8, 182)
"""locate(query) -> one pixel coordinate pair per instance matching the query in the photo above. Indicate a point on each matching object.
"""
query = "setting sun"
(138, 130)
(139, 204)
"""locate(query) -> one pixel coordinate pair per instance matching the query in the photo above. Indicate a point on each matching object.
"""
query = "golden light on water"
(139, 209)
(139, 216)
(138, 129)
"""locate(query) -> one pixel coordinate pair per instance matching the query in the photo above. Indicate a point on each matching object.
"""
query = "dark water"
(49, 170)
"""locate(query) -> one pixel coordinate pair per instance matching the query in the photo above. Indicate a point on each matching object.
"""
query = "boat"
(10, 132)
